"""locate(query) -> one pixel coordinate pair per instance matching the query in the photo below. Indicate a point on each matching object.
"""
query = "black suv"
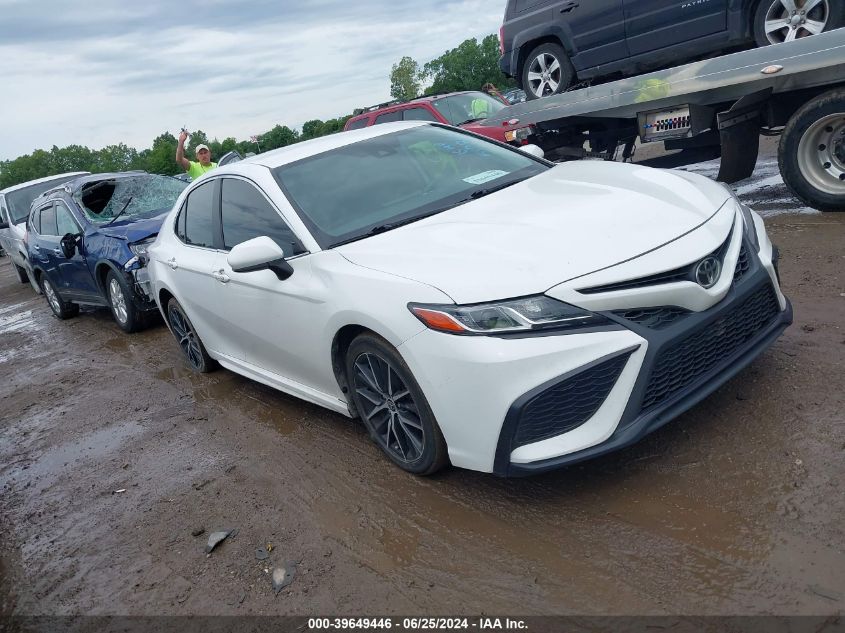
(549, 45)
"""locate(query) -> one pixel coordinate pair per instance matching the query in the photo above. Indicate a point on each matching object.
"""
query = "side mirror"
(259, 253)
(534, 150)
(69, 245)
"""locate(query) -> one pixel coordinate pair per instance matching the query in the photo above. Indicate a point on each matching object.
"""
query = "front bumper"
(634, 378)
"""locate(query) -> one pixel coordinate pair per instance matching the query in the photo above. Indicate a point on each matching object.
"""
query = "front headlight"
(502, 317)
(750, 227)
(747, 219)
(140, 249)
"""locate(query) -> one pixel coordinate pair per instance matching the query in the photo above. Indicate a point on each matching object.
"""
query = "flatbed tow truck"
(795, 90)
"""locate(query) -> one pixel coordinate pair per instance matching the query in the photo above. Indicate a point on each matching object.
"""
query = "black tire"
(561, 73)
(831, 12)
(61, 309)
(373, 368)
(20, 273)
(812, 152)
(189, 342)
(122, 303)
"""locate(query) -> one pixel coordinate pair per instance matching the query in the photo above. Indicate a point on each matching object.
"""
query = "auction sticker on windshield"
(485, 176)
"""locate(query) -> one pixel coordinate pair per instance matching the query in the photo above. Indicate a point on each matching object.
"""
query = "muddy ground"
(735, 508)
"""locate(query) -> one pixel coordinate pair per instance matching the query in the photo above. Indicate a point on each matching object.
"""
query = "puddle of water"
(14, 321)
(55, 462)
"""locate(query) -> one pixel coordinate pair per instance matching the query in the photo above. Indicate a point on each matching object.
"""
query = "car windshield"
(468, 106)
(142, 195)
(356, 190)
(20, 200)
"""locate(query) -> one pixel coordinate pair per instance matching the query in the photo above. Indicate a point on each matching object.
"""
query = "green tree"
(161, 158)
(70, 158)
(467, 67)
(118, 157)
(405, 79)
(279, 136)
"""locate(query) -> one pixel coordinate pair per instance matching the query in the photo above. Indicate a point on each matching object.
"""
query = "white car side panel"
(471, 382)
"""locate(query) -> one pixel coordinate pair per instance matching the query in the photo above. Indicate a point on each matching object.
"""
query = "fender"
(130, 281)
(526, 40)
(740, 17)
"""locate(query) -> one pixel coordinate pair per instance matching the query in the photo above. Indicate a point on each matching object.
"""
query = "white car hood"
(574, 219)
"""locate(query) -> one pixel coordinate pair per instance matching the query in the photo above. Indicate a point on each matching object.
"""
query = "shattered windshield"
(144, 195)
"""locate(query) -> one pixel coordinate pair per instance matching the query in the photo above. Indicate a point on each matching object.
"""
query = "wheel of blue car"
(120, 299)
(777, 21)
(190, 343)
(393, 407)
(61, 309)
(547, 71)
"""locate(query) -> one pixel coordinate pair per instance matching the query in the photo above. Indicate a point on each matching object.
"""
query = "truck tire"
(825, 16)
(812, 152)
(547, 71)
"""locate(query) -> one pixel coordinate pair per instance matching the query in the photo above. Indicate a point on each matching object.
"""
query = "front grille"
(654, 318)
(684, 273)
(743, 264)
(569, 403)
(682, 363)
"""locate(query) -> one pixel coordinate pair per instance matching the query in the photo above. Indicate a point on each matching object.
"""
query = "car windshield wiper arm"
(480, 193)
(120, 213)
(472, 120)
(389, 226)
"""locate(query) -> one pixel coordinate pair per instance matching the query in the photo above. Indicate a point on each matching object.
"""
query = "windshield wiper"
(389, 226)
(472, 120)
(480, 193)
(120, 213)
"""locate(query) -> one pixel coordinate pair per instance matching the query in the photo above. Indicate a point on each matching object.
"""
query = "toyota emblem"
(707, 272)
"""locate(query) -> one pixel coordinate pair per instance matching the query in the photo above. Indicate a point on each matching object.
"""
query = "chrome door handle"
(36, 247)
(220, 276)
(172, 263)
(57, 251)
(569, 6)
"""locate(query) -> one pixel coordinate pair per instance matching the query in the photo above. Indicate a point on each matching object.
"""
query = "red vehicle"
(462, 109)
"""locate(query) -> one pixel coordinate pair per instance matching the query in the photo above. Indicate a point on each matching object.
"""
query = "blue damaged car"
(87, 241)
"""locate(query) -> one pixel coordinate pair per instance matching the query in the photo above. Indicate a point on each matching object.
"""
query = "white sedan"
(471, 303)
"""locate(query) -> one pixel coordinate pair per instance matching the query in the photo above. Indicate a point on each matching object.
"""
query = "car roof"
(404, 104)
(37, 181)
(306, 149)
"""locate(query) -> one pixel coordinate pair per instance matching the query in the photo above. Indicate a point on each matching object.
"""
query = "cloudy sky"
(96, 72)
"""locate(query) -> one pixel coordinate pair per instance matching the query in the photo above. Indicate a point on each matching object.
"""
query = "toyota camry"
(470, 302)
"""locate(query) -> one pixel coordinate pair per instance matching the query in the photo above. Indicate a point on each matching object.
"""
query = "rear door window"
(199, 216)
(246, 214)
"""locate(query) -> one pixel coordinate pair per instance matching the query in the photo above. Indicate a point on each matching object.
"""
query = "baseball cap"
(201, 147)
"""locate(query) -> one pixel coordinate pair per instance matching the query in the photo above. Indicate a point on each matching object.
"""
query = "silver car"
(14, 209)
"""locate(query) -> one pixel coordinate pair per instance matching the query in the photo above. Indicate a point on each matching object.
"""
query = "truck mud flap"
(739, 133)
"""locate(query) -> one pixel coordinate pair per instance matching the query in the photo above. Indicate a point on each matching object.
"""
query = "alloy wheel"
(788, 20)
(544, 75)
(52, 297)
(389, 408)
(186, 336)
(821, 152)
(118, 301)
